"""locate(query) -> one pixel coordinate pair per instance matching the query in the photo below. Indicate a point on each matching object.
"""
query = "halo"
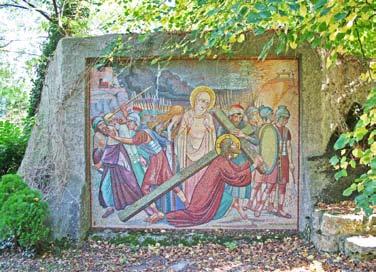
(202, 89)
(221, 138)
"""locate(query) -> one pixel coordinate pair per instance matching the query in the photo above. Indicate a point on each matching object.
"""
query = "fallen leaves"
(343, 207)
(260, 252)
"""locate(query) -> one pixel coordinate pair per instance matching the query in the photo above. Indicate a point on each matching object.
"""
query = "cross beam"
(245, 146)
(167, 186)
(185, 173)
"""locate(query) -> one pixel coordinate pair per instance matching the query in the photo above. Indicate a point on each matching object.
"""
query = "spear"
(109, 115)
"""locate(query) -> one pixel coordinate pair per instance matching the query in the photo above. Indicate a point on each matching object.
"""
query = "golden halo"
(202, 89)
(220, 139)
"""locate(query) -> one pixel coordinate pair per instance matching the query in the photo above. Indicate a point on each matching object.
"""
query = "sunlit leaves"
(342, 141)
(363, 153)
(321, 23)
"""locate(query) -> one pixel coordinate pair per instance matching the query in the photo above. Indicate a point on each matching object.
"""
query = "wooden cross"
(187, 172)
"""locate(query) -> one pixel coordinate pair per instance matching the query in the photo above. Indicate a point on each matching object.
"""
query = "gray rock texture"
(352, 234)
(326, 243)
(55, 160)
(344, 224)
(362, 247)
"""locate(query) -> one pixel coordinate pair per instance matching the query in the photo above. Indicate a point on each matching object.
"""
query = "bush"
(358, 150)
(13, 143)
(23, 216)
(10, 184)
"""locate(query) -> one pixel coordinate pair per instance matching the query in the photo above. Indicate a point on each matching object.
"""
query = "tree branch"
(19, 52)
(35, 8)
(6, 44)
(57, 14)
(12, 6)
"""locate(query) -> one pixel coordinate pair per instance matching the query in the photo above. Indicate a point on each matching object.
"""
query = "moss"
(136, 239)
(85, 223)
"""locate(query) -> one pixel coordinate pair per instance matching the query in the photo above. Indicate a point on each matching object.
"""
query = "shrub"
(9, 184)
(358, 150)
(13, 142)
(23, 218)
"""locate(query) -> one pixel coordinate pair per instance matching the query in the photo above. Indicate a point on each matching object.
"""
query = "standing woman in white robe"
(196, 136)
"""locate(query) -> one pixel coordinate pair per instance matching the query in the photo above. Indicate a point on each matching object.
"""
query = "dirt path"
(150, 252)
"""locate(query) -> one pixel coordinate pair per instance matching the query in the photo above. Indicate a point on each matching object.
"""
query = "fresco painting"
(235, 122)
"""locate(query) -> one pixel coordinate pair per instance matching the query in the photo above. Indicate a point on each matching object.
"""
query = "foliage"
(60, 26)
(339, 27)
(212, 28)
(13, 143)
(358, 149)
(23, 218)
(10, 184)
(14, 98)
(48, 49)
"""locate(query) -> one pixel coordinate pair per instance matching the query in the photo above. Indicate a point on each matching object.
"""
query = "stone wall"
(352, 234)
(55, 157)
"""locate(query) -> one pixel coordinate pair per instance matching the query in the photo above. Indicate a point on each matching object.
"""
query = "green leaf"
(360, 187)
(323, 27)
(366, 157)
(340, 16)
(371, 138)
(259, 31)
(212, 12)
(373, 163)
(371, 101)
(348, 191)
(253, 18)
(334, 160)
(359, 133)
(265, 14)
(357, 153)
(241, 38)
(243, 10)
(319, 4)
(260, 6)
(325, 11)
(280, 47)
(352, 163)
(265, 49)
(341, 141)
(340, 174)
(294, 6)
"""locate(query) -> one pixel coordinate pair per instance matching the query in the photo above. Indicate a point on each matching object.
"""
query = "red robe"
(158, 170)
(208, 192)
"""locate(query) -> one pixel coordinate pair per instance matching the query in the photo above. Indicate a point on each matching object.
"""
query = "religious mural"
(194, 144)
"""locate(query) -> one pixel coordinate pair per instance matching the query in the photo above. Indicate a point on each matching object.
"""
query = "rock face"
(346, 224)
(351, 234)
(363, 247)
(55, 160)
(325, 243)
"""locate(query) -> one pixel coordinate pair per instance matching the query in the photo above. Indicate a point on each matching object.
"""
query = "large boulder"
(344, 224)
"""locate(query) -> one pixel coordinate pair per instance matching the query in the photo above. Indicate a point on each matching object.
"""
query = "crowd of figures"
(134, 156)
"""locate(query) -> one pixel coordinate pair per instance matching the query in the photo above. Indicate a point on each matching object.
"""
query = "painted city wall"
(194, 144)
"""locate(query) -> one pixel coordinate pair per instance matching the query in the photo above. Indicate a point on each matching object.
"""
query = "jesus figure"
(207, 196)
